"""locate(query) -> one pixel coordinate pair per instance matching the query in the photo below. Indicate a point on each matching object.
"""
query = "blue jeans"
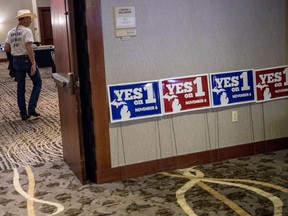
(22, 66)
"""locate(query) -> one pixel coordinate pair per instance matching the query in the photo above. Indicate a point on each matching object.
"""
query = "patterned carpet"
(255, 186)
(36, 140)
(35, 181)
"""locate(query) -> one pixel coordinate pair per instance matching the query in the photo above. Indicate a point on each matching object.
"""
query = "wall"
(9, 11)
(286, 2)
(7, 14)
(43, 3)
(178, 38)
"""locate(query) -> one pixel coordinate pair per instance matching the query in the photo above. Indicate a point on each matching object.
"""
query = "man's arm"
(30, 53)
(7, 47)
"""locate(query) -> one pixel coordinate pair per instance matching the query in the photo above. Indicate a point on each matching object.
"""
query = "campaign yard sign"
(231, 88)
(185, 93)
(271, 83)
(134, 101)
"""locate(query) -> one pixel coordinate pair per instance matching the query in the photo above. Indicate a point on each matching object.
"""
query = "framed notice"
(231, 88)
(185, 94)
(134, 101)
(271, 83)
(125, 21)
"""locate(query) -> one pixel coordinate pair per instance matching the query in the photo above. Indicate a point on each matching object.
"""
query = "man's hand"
(30, 53)
(33, 69)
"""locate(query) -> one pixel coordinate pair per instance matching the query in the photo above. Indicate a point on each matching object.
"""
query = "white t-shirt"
(17, 37)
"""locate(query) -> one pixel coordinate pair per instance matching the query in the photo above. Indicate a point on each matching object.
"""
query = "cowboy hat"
(25, 13)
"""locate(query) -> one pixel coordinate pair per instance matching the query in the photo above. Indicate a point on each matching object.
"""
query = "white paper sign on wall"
(125, 21)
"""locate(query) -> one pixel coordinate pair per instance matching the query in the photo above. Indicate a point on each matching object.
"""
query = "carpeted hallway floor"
(36, 140)
(35, 181)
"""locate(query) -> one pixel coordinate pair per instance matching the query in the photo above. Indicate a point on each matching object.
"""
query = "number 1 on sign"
(150, 96)
(244, 77)
(198, 83)
(286, 74)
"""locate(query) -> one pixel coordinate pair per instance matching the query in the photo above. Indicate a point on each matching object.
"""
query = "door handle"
(65, 82)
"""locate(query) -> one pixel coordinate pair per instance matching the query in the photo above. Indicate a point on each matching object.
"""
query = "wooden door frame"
(97, 86)
(98, 90)
(69, 105)
(74, 69)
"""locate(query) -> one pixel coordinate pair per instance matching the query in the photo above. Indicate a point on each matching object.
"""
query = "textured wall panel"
(178, 38)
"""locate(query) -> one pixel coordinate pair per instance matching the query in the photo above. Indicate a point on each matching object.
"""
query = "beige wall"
(286, 2)
(178, 38)
(9, 10)
(43, 3)
(7, 14)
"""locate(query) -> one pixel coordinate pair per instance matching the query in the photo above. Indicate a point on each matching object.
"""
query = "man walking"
(19, 42)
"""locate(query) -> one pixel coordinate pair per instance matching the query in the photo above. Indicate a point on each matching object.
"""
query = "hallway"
(36, 140)
(36, 181)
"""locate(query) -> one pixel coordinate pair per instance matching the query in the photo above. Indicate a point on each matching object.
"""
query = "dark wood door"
(69, 104)
(45, 25)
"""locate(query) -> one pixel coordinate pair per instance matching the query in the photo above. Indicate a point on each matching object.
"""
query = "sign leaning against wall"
(185, 93)
(231, 88)
(271, 83)
(134, 101)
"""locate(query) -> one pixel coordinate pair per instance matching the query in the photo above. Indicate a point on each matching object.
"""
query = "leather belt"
(20, 56)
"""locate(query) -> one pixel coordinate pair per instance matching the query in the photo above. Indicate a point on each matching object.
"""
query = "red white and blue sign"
(271, 83)
(134, 101)
(185, 94)
(231, 88)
